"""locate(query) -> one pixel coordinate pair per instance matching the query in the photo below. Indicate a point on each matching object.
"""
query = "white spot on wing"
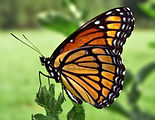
(52, 74)
(128, 8)
(104, 101)
(118, 10)
(71, 40)
(123, 72)
(58, 73)
(125, 35)
(97, 22)
(124, 19)
(108, 12)
(110, 95)
(101, 27)
(114, 88)
(118, 33)
(100, 103)
(116, 79)
(114, 51)
(117, 70)
(122, 82)
(133, 19)
(121, 13)
(50, 68)
(119, 53)
(121, 62)
(129, 19)
(123, 26)
(48, 62)
(114, 60)
(115, 42)
(121, 43)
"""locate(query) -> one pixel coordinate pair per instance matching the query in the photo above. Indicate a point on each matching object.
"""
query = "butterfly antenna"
(31, 43)
(34, 48)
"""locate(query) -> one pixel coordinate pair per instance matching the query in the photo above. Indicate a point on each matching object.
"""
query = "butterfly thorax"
(51, 70)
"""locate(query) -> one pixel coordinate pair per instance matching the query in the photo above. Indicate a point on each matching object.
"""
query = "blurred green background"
(47, 23)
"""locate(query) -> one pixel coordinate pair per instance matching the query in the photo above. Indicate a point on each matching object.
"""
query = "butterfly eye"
(42, 60)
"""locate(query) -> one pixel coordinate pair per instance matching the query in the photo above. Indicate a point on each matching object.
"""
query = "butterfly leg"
(40, 73)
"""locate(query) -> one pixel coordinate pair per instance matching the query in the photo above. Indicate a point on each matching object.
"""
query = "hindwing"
(92, 74)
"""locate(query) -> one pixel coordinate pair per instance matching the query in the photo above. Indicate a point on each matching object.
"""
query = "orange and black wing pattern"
(111, 28)
(88, 62)
(92, 74)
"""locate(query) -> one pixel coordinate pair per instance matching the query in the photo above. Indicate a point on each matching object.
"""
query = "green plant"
(148, 8)
(46, 99)
(134, 93)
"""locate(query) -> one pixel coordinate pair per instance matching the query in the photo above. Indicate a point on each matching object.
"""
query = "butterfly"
(88, 63)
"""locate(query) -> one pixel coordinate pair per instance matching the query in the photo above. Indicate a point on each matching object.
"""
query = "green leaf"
(51, 100)
(39, 117)
(148, 8)
(76, 113)
(128, 78)
(58, 103)
(58, 22)
(52, 90)
(145, 71)
(138, 114)
(134, 94)
(139, 79)
(41, 97)
(46, 98)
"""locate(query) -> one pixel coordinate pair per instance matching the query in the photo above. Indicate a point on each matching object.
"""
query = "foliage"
(46, 99)
(134, 93)
(76, 112)
(66, 23)
(65, 26)
(148, 8)
(20, 13)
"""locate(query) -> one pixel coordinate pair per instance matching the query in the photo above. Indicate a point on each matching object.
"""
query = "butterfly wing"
(111, 28)
(88, 62)
(92, 74)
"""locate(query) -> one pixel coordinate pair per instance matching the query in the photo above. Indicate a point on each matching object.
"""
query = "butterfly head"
(43, 60)
(46, 62)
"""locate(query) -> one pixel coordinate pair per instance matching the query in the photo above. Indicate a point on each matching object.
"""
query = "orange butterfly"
(88, 63)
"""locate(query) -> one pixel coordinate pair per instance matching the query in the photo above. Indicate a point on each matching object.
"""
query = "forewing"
(108, 29)
(92, 74)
